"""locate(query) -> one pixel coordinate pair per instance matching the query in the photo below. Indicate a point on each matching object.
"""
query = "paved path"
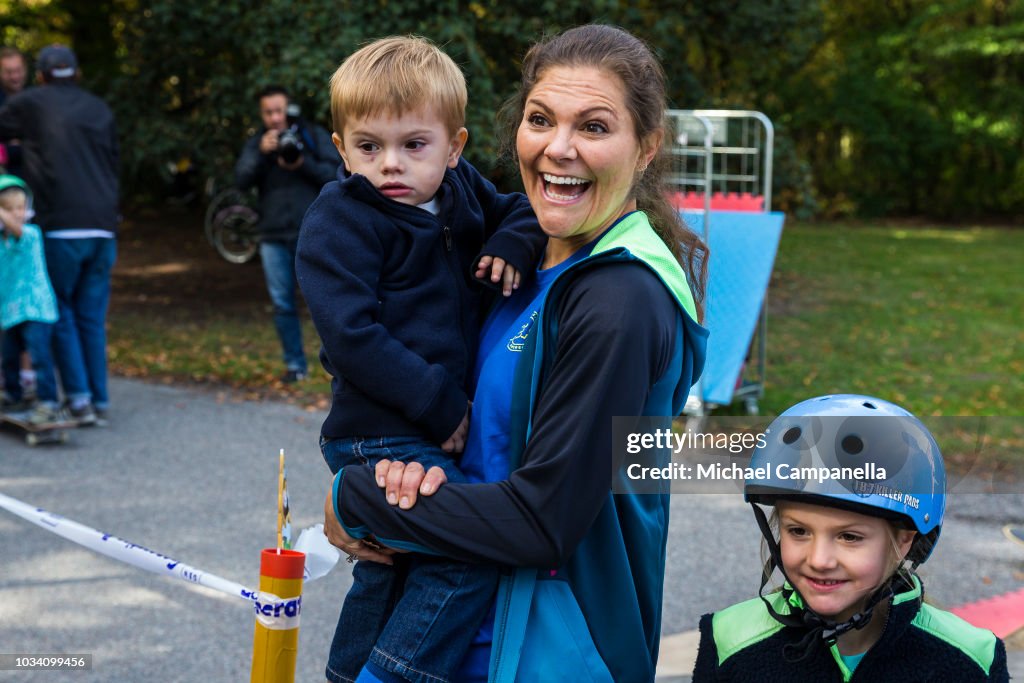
(192, 474)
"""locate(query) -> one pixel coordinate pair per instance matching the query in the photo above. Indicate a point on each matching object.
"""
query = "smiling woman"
(589, 146)
(578, 156)
(606, 324)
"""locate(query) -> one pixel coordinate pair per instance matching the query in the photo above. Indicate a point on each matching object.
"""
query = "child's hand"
(500, 272)
(457, 441)
(12, 221)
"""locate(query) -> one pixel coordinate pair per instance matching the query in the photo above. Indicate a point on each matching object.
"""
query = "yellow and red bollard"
(278, 605)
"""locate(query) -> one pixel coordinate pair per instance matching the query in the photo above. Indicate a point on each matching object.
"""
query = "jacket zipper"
(498, 640)
(449, 243)
(885, 626)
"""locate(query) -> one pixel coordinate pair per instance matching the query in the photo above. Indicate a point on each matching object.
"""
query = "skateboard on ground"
(35, 434)
(1014, 533)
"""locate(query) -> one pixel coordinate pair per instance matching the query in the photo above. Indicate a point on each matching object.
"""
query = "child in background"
(28, 307)
(386, 261)
(849, 609)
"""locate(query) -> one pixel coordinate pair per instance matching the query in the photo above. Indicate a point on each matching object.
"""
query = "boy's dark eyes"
(415, 144)
(367, 147)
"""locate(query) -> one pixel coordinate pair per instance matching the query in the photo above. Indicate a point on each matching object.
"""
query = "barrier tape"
(278, 614)
(152, 561)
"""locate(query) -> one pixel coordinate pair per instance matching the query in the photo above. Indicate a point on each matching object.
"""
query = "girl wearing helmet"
(850, 608)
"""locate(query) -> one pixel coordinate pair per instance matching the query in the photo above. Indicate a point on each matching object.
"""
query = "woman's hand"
(500, 271)
(356, 549)
(403, 481)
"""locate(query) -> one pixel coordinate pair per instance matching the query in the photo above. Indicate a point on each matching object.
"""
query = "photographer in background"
(288, 160)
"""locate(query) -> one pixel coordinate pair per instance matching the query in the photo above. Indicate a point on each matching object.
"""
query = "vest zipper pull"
(448, 238)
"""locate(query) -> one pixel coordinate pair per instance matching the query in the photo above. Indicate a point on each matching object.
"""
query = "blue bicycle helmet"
(856, 453)
(841, 433)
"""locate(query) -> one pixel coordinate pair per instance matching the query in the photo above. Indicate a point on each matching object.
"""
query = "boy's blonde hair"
(396, 75)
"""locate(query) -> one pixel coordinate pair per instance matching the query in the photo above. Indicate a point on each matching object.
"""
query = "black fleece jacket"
(920, 644)
(391, 293)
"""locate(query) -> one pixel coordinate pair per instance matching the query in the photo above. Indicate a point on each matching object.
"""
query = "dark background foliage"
(882, 107)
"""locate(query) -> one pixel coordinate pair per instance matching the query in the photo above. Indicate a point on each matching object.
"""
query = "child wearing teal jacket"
(28, 307)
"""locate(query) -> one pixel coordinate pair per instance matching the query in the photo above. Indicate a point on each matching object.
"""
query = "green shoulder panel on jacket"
(745, 624)
(977, 643)
(635, 234)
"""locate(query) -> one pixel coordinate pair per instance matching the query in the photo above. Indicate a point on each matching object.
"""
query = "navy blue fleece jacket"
(392, 295)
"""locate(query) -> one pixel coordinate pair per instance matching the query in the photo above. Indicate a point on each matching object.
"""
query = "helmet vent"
(872, 406)
(852, 444)
(791, 436)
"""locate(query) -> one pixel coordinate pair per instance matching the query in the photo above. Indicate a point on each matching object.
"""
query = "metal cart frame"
(722, 153)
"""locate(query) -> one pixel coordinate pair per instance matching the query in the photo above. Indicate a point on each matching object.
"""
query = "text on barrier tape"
(277, 614)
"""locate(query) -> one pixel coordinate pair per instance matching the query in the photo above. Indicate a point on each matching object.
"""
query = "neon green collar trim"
(634, 234)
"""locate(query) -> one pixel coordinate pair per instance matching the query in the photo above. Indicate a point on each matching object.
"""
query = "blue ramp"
(743, 247)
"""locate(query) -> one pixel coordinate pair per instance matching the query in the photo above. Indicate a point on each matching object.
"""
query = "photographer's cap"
(57, 61)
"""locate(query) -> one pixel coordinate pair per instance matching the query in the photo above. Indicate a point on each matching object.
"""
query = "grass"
(179, 314)
(243, 354)
(929, 318)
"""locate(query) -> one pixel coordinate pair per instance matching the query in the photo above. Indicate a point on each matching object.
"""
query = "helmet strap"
(819, 628)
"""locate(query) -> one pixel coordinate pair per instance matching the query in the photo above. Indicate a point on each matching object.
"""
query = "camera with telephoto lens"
(289, 141)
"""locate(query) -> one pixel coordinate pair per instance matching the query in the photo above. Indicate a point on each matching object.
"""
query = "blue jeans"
(278, 259)
(80, 274)
(417, 618)
(35, 338)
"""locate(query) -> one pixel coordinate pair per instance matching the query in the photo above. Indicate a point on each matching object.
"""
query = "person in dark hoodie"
(387, 261)
(288, 178)
(70, 161)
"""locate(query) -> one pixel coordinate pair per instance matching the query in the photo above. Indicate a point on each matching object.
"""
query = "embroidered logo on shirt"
(518, 341)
